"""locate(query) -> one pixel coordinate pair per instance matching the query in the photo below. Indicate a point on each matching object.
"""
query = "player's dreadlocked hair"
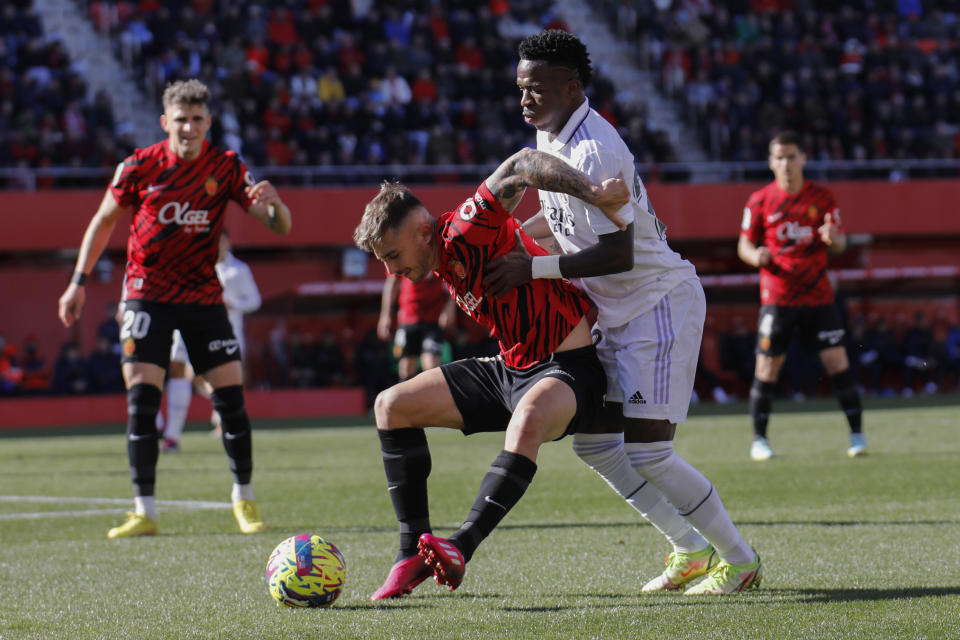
(386, 211)
(186, 92)
(561, 49)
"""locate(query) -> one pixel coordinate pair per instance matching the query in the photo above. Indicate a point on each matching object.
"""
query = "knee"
(530, 426)
(387, 409)
(650, 458)
(228, 401)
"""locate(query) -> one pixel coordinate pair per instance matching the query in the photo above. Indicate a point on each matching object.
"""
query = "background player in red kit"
(546, 382)
(424, 312)
(179, 189)
(788, 228)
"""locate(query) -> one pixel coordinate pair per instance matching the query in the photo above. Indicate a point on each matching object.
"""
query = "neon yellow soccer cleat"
(136, 524)
(728, 578)
(682, 568)
(248, 516)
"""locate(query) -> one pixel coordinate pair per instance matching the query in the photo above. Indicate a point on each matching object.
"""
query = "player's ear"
(163, 121)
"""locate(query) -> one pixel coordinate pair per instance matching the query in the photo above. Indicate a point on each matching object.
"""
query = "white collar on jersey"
(555, 143)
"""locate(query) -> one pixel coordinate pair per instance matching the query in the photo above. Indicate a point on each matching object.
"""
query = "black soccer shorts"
(820, 328)
(146, 333)
(486, 391)
(413, 340)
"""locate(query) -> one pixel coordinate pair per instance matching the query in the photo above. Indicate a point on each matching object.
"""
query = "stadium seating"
(860, 80)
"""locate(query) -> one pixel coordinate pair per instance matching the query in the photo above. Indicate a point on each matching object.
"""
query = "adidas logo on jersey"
(636, 398)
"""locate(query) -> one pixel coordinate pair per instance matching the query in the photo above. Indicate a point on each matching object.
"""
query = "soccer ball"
(306, 571)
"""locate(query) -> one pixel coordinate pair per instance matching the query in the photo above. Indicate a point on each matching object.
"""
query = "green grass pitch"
(866, 548)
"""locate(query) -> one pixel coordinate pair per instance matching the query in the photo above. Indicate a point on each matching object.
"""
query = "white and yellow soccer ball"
(306, 571)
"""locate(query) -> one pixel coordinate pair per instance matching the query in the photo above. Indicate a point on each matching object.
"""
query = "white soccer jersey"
(240, 292)
(591, 144)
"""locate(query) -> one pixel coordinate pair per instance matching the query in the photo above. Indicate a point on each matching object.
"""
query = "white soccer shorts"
(651, 361)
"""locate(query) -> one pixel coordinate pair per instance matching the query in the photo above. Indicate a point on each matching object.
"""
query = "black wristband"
(79, 278)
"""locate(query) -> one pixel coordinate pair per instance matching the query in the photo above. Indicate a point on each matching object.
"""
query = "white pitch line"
(164, 505)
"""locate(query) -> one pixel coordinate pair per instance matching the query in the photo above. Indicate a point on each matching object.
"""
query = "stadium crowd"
(333, 82)
(860, 80)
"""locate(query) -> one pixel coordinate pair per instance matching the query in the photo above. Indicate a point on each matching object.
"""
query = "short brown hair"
(386, 211)
(787, 137)
(186, 92)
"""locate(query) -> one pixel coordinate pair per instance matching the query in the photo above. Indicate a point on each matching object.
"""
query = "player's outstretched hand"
(828, 230)
(263, 193)
(610, 198)
(509, 271)
(71, 304)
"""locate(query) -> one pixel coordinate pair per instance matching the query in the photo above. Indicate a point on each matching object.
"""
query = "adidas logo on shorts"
(636, 398)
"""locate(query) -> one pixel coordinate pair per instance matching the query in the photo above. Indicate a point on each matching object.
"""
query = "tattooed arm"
(532, 168)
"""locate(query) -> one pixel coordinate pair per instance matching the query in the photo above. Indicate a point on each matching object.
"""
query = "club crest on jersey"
(468, 210)
(210, 186)
(813, 212)
(458, 269)
(193, 220)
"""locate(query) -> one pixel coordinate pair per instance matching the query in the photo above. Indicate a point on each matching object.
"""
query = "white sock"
(179, 394)
(692, 494)
(241, 492)
(145, 505)
(604, 453)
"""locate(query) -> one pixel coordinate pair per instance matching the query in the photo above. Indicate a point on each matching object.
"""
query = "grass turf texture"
(863, 548)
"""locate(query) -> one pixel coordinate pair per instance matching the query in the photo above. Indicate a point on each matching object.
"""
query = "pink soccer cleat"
(403, 577)
(445, 559)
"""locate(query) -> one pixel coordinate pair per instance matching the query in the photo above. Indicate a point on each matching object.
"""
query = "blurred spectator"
(737, 351)
(951, 354)
(36, 378)
(374, 365)
(919, 364)
(330, 363)
(301, 373)
(11, 375)
(881, 358)
(103, 368)
(70, 372)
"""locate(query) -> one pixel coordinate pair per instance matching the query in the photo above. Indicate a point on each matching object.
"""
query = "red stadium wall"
(80, 410)
(914, 224)
(327, 216)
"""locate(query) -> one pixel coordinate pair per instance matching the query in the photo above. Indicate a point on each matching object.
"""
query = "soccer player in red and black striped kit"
(179, 189)
(788, 229)
(546, 382)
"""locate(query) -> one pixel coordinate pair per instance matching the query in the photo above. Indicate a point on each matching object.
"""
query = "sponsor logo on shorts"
(830, 337)
(229, 346)
(637, 398)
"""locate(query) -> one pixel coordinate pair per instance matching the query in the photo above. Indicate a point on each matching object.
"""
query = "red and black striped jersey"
(178, 216)
(530, 321)
(421, 301)
(788, 226)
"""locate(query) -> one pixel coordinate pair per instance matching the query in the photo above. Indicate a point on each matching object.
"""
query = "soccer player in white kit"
(651, 312)
(241, 296)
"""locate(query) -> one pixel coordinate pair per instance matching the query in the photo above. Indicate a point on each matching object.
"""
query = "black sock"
(761, 403)
(406, 461)
(143, 447)
(501, 488)
(236, 433)
(847, 393)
